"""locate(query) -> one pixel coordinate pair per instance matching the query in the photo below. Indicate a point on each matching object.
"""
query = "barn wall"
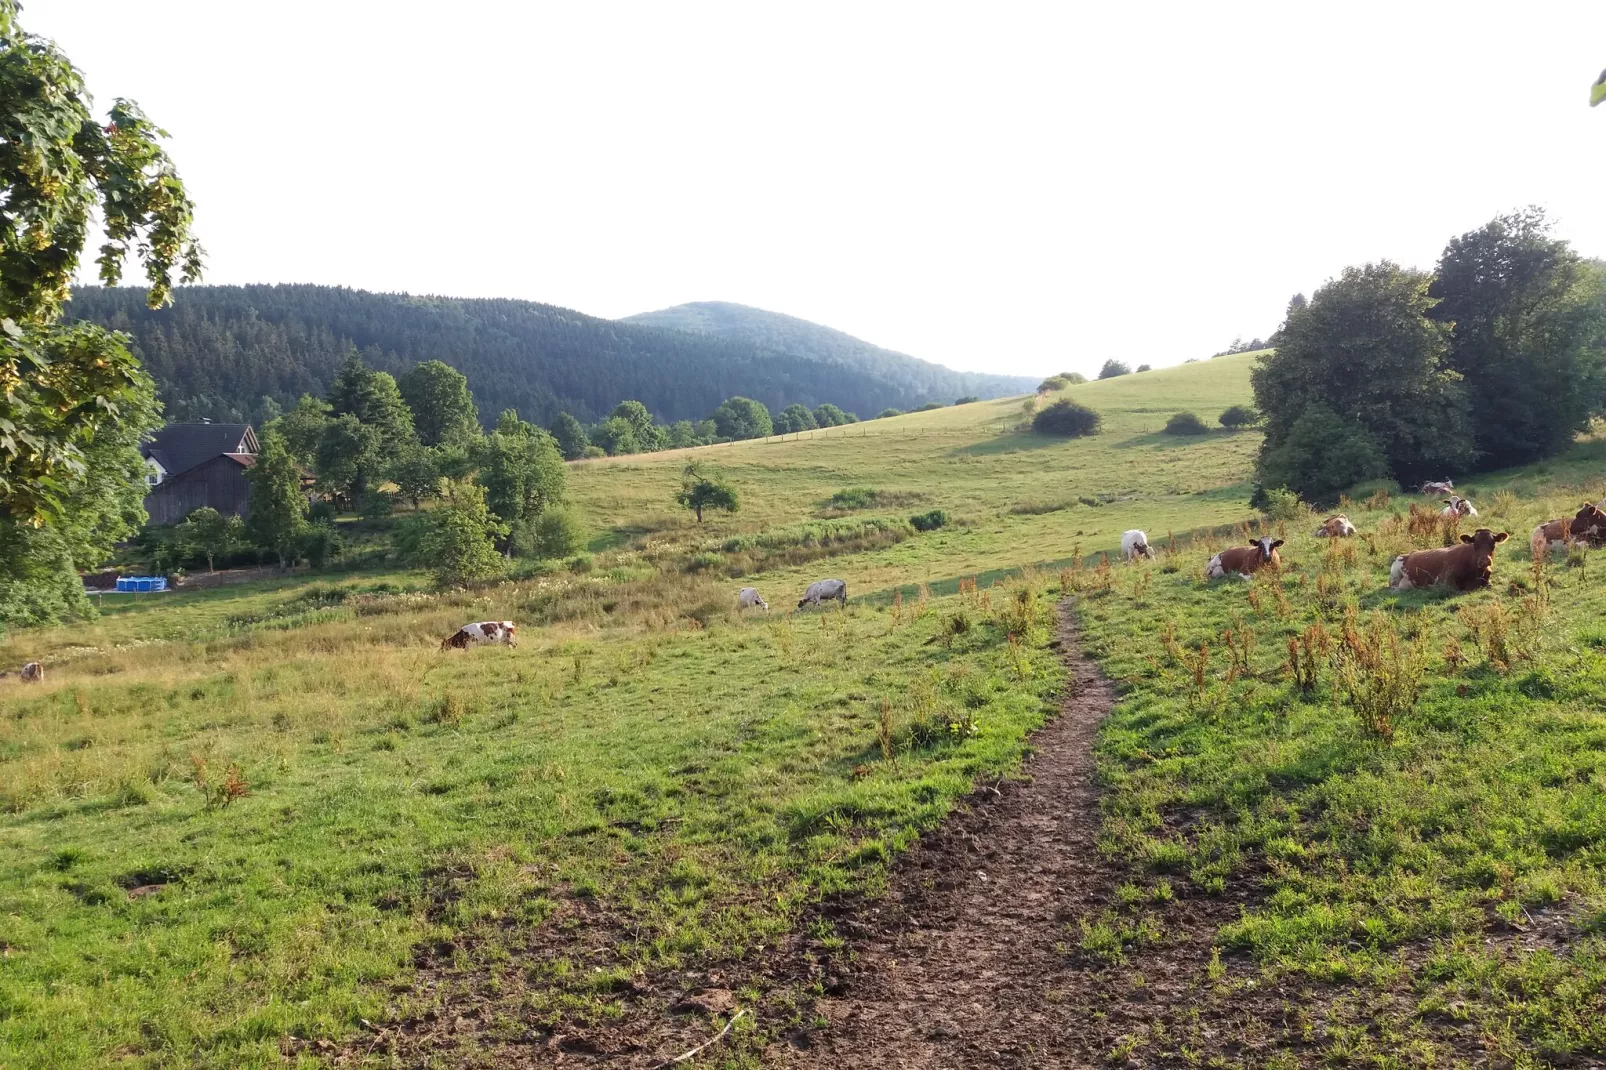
(219, 483)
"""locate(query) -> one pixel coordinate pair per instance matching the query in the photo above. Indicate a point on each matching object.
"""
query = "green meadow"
(235, 816)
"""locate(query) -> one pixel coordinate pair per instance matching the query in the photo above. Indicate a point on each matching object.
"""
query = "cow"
(824, 591)
(1455, 505)
(485, 631)
(1465, 566)
(1135, 544)
(1439, 486)
(1243, 560)
(748, 597)
(1335, 527)
(1588, 526)
(33, 673)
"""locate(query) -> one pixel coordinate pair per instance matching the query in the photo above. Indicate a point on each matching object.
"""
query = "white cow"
(1135, 544)
(485, 631)
(748, 597)
(1439, 486)
(824, 591)
(1335, 527)
(1455, 505)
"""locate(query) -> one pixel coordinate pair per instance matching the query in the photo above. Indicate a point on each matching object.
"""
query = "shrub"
(1074, 378)
(1239, 416)
(1321, 455)
(1053, 383)
(1112, 368)
(594, 451)
(928, 406)
(1145, 367)
(1281, 504)
(854, 498)
(377, 504)
(1186, 423)
(321, 544)
(884, 413)
(556, 533)
(929, 521)
(968, 399)
(1068, 418)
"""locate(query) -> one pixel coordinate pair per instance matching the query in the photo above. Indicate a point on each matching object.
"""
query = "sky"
(1010, 187)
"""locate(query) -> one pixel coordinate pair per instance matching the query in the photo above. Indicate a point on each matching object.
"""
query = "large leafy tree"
(570, 436)
(1527, 319)
(349, 456)
(302, 428)
(794, 418)
(59, 168)
(278, 507)
(459, 537)
(375, 400)
(522, 473)
(442, 407)
(740, 417)
(1365, 350)
(829, 415)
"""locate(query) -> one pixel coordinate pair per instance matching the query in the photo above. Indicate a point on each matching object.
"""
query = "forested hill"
(780, 333)
(218, 351)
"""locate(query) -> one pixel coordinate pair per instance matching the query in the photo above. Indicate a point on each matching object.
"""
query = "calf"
(1243, 560)
(1588, 526)
(1465, 566)
(1455, 505)
(1439, 486)
(824, 591)
(748, 597)
(1335, 527)
(1135, 544)
(486, 631)
(33, 673)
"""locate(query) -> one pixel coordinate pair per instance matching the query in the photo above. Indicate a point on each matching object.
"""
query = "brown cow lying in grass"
(1465, 566)
(1588, 526)
(485, 631)
(1243, 560)
(1335, 527)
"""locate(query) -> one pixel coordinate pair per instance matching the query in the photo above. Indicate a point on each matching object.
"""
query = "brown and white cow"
(1244, 560)
(1455, 505)
(485, 631)
(1588, 526)
(1467, 565)
(1439, 486)
(33, 673)
(1335, 527)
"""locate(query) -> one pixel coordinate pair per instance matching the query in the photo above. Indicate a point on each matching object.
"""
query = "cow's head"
(1459, 505)
(1589, 518)
(1267, 546)
(1483, 541)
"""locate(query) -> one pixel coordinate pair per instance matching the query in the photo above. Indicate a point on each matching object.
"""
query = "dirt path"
(964, 962)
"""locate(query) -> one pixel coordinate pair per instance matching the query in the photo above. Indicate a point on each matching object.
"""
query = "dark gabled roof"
(180, 447)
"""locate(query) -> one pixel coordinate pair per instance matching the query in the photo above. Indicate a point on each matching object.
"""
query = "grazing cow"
(1135, 544)
(33, 673)
(1588, 526)
(1335, 527)
(1439, 486)
(748, 597)
(486, 631)
(1465, 566)
(1455, 505)
(824, 591)
(1243, 560)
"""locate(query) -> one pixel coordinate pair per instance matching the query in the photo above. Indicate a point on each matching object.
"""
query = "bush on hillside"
(1112, 368)
(1074, 378)
(854, 498)
(1145, 367)
(1068, 418)
(928, 406)
(1239, 416)
(1052, 384)
(1186, 423)
(556, 533)
(884, 413)
(968, 399)
(1281, 504)
(929, 521)
(1322, 455)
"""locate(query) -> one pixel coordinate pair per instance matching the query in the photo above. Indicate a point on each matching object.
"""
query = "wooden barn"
(191, 465)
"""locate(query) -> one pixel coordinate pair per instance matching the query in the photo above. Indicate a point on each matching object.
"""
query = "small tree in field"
(699, 492)
(1186, 423)
(1112, 368)
(1145, 367)
(1239, 416)
(209, 533)
(1068, 418)
(278, 507)
(460, 542)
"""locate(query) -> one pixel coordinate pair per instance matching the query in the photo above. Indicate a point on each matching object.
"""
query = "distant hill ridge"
(780, 333)
(222, 352)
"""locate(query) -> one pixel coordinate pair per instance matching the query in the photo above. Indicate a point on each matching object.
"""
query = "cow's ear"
(1254, 542)
(1276, 544)
(1466, 538)
(1503, 536)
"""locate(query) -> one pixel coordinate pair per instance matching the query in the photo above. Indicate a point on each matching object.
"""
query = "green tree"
(61, 386)
(1112, 368)
(1186, 423)
(278, 507)
(522, 474)
(699, 491)
(208, 533)
(1527, 320)
(1364, 349)
(794, 418)
(302, 428)
(829, 415)
(1052, 384)
(417, 474)
(885, 413)
(684, 433)
(569, 435)
(349, 456)
(1067, 417)
(375, 400)
(739, 418)
(968, 399)
(443, 410)
(615, 437)
(1322, 455)
(1236, 417)
(636, 415)
(459, 540)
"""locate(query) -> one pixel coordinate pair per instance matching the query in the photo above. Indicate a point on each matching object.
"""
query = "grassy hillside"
(788, 334)
(244, 821)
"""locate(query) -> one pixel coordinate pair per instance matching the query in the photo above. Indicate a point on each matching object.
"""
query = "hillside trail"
(966, 961)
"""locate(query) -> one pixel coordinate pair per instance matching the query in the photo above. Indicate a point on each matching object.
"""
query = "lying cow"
(1439, 486)
(748, 597)
(824, 591)
(486, 631)
(33, 673)
(1588, 526)
(1465, 566)
(1335, 527)
(1455, 505)
(1244, 560)
(1135, 544)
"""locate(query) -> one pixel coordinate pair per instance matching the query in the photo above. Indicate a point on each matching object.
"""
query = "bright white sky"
(1003, 187)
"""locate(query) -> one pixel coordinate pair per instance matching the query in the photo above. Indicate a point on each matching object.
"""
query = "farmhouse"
(191, 465)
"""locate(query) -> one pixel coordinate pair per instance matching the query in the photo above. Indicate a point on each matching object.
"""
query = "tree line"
(1495, 358)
